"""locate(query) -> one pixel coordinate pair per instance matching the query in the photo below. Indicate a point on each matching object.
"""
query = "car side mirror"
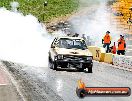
(52, 46)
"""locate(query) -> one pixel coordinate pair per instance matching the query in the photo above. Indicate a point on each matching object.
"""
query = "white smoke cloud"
(14, 6)
(24, 40)
(94, 21)
(21, 39)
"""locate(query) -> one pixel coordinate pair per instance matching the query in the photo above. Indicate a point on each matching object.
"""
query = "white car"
(70, 51)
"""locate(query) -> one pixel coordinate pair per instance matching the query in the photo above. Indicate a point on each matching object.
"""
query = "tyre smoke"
(23, 39)
(94, 20)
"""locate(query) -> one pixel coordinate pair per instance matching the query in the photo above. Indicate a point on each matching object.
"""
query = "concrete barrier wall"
(122, 61)
(108, 58)
(97, 52)
(117, 60)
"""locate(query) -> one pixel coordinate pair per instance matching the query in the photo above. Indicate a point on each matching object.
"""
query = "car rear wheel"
(49, 63)
(52, 65)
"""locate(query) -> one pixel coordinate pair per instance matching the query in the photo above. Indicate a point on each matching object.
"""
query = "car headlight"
(89, 58)
(60, 56)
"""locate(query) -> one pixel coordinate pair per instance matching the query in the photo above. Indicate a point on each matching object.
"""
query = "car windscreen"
(72, 43)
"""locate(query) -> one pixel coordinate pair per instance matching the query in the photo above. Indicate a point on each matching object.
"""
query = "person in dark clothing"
(76, 34)
(83, 36)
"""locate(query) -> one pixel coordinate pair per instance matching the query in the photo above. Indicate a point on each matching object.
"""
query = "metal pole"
(43, 13)
(45, 4)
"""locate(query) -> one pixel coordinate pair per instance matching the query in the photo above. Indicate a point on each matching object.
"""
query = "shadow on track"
(70, 70)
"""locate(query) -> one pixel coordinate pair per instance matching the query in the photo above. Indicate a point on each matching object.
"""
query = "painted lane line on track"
(3, 78)
(3, 66)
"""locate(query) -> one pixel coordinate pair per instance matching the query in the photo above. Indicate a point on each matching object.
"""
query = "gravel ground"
(44, 84)
(31, 85)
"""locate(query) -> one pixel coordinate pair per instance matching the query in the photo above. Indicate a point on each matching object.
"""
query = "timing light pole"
(45, 4)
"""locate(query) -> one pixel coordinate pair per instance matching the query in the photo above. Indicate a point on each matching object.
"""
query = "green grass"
(55, 8)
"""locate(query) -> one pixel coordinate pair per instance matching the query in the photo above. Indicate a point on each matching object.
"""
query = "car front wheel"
(90, 68)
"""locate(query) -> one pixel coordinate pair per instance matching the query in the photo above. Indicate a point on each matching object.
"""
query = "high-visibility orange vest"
(107, 38)
(121, 46)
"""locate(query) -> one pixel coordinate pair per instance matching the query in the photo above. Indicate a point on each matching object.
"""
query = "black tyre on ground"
(90, 70)
(90, 67)
(49, 63)
(52, 64)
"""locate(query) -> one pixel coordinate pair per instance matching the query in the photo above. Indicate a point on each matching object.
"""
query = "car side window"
(62, 43)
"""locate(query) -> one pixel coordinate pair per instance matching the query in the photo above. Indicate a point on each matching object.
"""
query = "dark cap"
(108, 32)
